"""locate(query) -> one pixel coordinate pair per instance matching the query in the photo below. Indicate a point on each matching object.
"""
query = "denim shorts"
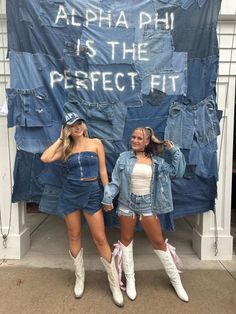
(138, 205)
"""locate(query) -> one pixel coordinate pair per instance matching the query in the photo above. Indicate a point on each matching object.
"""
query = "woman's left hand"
(107, 207)
(168, 144)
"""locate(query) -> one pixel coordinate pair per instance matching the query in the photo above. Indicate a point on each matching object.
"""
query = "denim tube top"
(82, 165)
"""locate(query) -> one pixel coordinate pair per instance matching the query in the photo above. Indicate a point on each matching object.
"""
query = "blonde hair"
(155, 146)
(68, 142)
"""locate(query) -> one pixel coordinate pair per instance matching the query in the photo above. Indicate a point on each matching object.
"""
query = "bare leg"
(97, 229)
(152, 228)
(73, 223)
(127, 227)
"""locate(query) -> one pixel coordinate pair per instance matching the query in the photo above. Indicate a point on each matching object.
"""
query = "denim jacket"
(162, 173)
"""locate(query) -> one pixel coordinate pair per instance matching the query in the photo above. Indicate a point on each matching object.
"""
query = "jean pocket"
(28, 108)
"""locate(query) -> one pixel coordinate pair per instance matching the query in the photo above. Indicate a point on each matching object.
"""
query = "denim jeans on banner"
(115, 146)
(104, 120)
(201, 191)
(26, 171)
(34, 70)
(37, 139)
(185, 4)
(111, 45)
(111, 83)
(159, 47)
(198, 28)
(204, 159)
(171, 80)
(201, 2)
(49, 200)
(54, 174)
(28, 107)
(37, 38)
(148, 115)
(131, 9)
(59, 13)
(186, 122)
(204, 71)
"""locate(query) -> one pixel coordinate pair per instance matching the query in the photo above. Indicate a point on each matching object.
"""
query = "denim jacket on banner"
(162, 173)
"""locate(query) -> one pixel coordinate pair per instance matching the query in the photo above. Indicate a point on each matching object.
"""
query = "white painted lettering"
(55, 77)
(144, 19)
(118, 86)
(121, 20)
(61, 14)
(128, 50)
(94, 79)
(91, 16)
(113, 44)
(106, 81)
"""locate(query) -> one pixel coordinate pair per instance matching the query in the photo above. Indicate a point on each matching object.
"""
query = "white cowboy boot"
(128, 268)
(172, 272)
(79, 274)
(113, 279)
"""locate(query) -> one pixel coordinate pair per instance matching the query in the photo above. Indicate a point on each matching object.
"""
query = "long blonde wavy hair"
(68, 142)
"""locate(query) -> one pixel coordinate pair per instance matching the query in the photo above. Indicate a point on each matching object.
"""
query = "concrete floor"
(49, 247)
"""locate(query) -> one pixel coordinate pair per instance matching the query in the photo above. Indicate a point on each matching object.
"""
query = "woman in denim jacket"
(143, 180)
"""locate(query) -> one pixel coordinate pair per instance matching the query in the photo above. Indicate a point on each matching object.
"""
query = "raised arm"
(53, 152)
(176, 167)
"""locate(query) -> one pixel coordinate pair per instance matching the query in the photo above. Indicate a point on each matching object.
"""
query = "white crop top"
(141, 179)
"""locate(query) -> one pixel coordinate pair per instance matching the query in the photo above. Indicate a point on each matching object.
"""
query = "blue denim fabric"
(171, 80)
(162, 172)
(201, 191)
(37, 139)
(39, 38)
(159, 47)
(101, 38)
(201, 2)
(138, 205)
(53, 174)
(32, 71)
(204, 71)
(82, 195)
(104, 120)
(198, 30)
(204, 159)
(131, 9)
(115, 146)
(128, 90)
(82, 165)
(185, 4)
(149, 115)
(49, 200)
(28, 107)
(26, 172)
(186, 122)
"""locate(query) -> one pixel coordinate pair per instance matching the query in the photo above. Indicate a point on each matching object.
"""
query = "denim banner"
(119, 65)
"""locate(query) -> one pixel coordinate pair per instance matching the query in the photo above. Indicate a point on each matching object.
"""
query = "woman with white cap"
(85, 161)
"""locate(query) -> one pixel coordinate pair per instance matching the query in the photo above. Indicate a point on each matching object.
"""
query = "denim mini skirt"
(82, 195)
